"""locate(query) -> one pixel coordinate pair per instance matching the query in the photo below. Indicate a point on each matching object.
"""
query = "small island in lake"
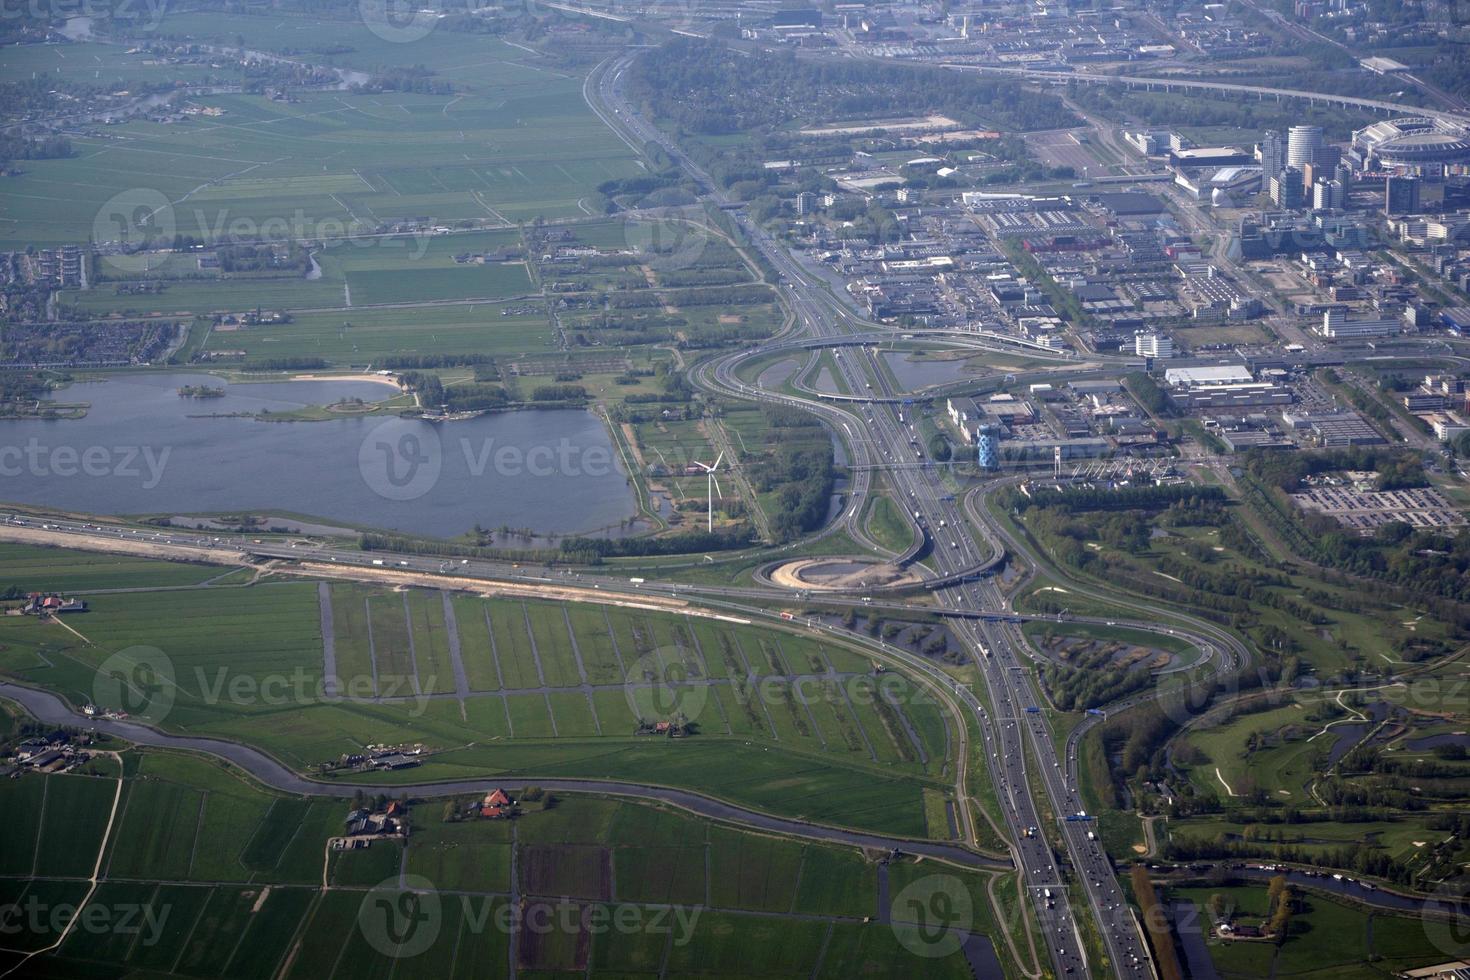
(201, 391)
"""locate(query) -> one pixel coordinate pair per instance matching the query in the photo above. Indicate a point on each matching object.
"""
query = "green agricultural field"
(37, 569)
(797, 724)
(644, 863)
(517, 143)
(74, 815)
(1326, 938)
(353, 336)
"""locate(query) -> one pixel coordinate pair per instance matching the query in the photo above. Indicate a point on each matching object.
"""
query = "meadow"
(231, 879)
(1327, 939)
(513, 142)
(781, 720)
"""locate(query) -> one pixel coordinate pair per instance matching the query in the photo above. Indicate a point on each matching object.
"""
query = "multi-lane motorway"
(1035, 782)
(1013, 726)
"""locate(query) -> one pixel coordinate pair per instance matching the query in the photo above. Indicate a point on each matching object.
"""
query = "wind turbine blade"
(717, 460)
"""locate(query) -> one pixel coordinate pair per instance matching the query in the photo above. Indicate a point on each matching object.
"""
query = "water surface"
(143, 449)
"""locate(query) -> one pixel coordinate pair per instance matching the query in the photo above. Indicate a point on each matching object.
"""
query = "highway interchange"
(1017, 726)
(1034, 774)
(1033, 778)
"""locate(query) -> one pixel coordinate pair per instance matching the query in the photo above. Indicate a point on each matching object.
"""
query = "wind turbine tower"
(712, 486)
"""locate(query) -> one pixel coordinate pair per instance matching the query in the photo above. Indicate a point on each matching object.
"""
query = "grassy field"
(1327, 939)
(514, 143)
(689, 893)
(783, 721)
(33, 569)
(1358, 627)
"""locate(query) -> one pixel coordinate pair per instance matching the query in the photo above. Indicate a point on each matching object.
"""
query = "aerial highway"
(1067, 877)
(1009, 729)
(1169, 84)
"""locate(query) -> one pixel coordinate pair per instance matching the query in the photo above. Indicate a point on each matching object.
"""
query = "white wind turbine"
(713, 485)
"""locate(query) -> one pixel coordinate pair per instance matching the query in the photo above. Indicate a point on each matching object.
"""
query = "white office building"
(1337, 326)
(1273, 155)
(1150, 344)
(1302, 144)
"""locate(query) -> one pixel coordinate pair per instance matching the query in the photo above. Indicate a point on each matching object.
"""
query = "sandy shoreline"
(378, 378)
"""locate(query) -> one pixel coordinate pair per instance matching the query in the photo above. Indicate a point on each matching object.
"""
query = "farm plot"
(361, 336)
(572, 870)
(56, 570)
(73, 819)
(159, 831)
(748, 871)
(431, 640)
(213, 640)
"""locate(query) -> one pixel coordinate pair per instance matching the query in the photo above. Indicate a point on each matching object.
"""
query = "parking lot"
(1368, 510)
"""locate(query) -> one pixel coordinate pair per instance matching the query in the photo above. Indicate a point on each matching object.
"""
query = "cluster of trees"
(257, 258)
(474, 396)
(559, 393)
(1123, 498)
(1147, 392)
(417, 79)
(20, 386)
(1156, 922)
(289, 363)
(417, 362)
(1178, 109)
(709, 89)
(451, 549)
(687, 542)
(1280, 906)
(731, 296)
(802, 478)
(45, 148)
(1356, 858)
(1090, 681)
(1397, 469)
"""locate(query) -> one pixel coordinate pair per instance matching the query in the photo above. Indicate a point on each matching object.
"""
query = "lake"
(914, 373)
(143, 449)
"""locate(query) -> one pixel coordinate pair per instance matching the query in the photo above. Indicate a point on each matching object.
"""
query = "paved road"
(53, 710)
(1189, 84)
(894, 435)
